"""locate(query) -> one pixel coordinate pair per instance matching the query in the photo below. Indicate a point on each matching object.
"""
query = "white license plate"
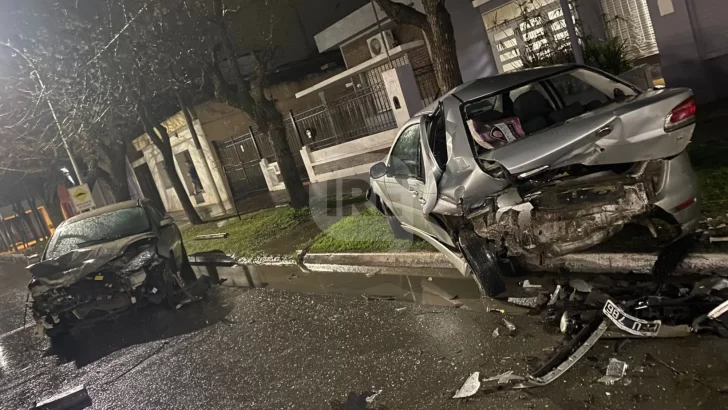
(631, 324)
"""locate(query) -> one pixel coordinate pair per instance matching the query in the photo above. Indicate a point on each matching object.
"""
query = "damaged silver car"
(105, 261)
(537, 164)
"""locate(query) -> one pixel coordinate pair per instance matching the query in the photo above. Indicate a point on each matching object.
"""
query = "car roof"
(106, 209)
(497, 83)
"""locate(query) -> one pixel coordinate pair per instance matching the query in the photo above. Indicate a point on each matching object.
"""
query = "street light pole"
(61, 133)
(569, 20)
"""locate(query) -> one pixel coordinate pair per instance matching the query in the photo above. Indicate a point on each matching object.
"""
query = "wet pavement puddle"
(427, 287)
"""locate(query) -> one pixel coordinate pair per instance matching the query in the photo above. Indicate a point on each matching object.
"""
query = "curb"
(640, 263)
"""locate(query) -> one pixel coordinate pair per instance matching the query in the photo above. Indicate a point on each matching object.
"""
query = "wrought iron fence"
(353, 116)
(427, 83)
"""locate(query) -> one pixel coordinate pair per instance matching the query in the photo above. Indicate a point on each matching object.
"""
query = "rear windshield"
(500, 119)
(98, 229)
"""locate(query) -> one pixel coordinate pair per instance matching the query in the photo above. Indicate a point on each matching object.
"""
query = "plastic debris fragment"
(531, 302)
(511, 327)
(370, 398)
(496, 332)
(528, 285)
(505, 378)
(615, 372)
(580, 285)
(555, 295)
(469, 388)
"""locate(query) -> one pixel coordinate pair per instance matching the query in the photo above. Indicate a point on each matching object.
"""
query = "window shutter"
(630, 21)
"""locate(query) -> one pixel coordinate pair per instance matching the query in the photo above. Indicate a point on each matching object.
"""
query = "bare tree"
(435, 22)
(219, 57)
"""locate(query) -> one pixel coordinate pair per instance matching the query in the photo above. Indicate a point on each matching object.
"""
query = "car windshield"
(500, 119)
(98, 229)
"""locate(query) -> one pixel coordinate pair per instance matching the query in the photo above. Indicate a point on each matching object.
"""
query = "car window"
(438, 140)
(154, 213)
(497, 120)
(405, 157)
(97, 229)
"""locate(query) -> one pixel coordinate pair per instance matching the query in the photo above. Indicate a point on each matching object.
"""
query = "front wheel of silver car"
(483, 262)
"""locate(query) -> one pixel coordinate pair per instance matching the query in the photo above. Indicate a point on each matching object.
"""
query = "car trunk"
(576, 184)
(625, 132)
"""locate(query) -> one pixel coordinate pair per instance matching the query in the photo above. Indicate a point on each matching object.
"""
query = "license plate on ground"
(631, 324)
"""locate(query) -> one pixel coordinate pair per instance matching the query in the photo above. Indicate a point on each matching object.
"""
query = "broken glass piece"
(615, 371)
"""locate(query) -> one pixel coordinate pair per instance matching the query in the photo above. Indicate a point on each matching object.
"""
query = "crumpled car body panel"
(629, 167)
(73, 266)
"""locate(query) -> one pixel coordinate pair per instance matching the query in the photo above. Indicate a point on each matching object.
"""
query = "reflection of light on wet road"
(3, 359)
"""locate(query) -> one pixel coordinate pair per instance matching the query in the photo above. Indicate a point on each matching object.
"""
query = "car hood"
(73, 266)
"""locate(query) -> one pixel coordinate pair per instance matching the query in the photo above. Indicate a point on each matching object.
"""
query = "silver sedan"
(538, 163)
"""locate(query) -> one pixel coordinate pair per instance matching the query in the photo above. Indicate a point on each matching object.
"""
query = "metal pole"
(295, 127)
(379, 25)
(569, 20)
(234, 201)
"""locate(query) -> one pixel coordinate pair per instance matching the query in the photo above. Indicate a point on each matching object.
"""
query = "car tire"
(483, 262)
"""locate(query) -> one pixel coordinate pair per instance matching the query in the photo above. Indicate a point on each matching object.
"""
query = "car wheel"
(483, 263)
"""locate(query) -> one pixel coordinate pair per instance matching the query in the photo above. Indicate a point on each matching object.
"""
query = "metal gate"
(240, 157)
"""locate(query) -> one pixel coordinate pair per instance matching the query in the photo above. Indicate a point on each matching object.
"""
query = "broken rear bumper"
(567, 216)
(678, 187)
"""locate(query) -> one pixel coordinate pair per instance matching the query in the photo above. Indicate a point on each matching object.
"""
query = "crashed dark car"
(537, 164)
(105, 261)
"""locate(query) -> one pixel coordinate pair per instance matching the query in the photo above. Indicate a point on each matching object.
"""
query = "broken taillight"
(682, 115)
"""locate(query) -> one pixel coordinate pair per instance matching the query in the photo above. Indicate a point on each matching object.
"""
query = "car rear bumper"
(677, 194)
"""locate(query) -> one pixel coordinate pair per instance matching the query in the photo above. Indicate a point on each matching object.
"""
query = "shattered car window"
(498, 120)
(98, 229)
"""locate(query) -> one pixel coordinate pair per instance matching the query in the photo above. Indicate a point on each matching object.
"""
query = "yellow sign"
(80, 194)
(81, 198)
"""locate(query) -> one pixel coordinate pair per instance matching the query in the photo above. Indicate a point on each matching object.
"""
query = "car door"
(403, 177)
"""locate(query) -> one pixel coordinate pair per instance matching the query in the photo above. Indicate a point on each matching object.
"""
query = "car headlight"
(141, 260)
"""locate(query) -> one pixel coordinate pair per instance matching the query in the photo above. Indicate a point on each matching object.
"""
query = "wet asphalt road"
(310, 341)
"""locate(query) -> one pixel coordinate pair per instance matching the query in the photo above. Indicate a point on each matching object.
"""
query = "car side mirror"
(166, 221)
(378, 170)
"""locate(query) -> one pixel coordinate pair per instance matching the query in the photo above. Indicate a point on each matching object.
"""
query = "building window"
(525, 32)
(630, 21)
(166, 183)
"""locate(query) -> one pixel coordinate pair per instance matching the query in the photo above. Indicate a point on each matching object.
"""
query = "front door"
(403, 181)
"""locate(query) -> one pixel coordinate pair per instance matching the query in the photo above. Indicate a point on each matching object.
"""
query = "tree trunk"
(196, 139)
(272, 125)
(178, 186)
(441, 36)
(119, 182)
(163, 144)
(438, 28)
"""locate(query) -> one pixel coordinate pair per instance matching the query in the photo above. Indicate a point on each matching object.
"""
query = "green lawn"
(365, 232)
(711, 164)
(247, 236)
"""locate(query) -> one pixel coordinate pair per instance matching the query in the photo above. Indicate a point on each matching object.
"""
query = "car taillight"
(682, 115)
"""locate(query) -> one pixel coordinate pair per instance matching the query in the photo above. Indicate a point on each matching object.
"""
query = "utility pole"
(61, 133)
(569, 20)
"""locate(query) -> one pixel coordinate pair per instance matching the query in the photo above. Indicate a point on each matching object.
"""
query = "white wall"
(180, 142)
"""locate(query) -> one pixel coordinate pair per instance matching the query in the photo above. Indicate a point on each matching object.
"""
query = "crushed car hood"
(73, 266)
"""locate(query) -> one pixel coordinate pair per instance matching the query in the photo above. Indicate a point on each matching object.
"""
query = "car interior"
(520, 112)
